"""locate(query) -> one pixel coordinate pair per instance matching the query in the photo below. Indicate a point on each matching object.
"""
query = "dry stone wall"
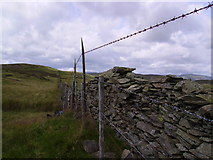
(161, 116)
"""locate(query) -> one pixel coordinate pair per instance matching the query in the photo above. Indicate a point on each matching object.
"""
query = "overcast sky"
(49, 34)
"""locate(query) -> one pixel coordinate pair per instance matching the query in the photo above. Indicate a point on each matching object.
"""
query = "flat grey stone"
(123, 80)
(185, 123)
(134, 88)
(146, 127)
(125, 153)
(181, 147)
(188, 138)
(189, 156)
(206, 139)
(167, 144)
(206, 149)
(198, 154)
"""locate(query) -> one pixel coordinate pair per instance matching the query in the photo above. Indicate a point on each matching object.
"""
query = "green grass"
(29, 93)
(67, 77)
(33, 87)
(32, 135)
(208, 87)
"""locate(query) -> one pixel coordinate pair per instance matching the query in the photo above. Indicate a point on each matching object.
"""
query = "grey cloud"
(110, 9)
(42, 16)
(51, 37)
(158, 12)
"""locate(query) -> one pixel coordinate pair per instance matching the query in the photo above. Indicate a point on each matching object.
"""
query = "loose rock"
(90, 146)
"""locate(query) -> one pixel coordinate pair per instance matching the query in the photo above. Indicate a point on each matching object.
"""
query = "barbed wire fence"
(151, 100)
(148, 28)
(120, 132)
(123, 135)
(102, 115)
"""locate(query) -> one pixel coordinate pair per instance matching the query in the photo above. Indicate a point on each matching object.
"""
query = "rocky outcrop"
(157, 114)
(117, 72)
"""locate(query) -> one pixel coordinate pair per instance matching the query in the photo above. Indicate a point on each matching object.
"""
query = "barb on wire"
(120, 132)
(152, 27)
(167, 105)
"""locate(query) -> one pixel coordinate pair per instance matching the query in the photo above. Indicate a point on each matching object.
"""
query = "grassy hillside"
(32, 87)
(29, 93)
(32, 135)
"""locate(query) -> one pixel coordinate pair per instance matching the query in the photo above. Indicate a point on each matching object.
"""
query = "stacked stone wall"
(165, 117)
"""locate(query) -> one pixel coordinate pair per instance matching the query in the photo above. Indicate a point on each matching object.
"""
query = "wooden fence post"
(101, 123)
(84, 79)
(64, 97)
(76, 95)
(82, 100)
(69, 93)
(74, 86)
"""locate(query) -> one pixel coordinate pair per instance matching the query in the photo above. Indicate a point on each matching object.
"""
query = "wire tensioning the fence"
(119, 131)
(156, 101)
(123, 135)
(153, 100)
(167, 105)
(145, 97)
(149, 28)
(128, 140)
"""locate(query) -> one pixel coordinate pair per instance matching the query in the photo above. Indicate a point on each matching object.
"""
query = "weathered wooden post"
(74, 86)
(84, 79)
(76, 95)
(101, 123)
(69, 95)
(64, 97)
(82, 100)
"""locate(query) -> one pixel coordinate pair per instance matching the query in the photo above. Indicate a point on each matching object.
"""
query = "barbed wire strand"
(149, 28)
(123, 135)
(152, 27)
(156, 101)
(78, 59)
(120, 132)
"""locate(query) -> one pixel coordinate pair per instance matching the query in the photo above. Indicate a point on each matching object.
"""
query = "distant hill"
(204, 81)
(30, 87)
(195, 77)
(93, 73)
(33, 87)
